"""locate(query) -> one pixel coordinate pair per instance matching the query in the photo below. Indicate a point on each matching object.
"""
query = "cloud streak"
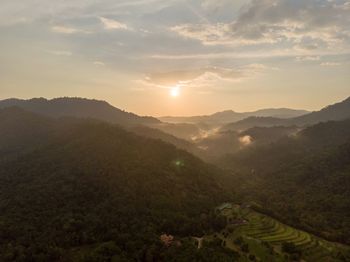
(111, 24)
(330, 64)
(60, 52)
(208, 77)
(67, 30)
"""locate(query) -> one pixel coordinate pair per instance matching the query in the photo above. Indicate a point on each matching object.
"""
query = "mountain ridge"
(335, 112)
(79, 107)
(232, 116)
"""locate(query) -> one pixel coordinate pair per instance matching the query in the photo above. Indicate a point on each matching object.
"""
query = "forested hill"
(303, 179)
(79, 107)
(100, 110)
(85, 190)
(336, 112)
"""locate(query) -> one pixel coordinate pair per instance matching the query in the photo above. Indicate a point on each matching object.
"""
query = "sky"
(178, 57)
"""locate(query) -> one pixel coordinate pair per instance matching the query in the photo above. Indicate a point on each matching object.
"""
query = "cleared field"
(255, 228)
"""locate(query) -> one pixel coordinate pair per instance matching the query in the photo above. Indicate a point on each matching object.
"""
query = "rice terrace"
(263, 238)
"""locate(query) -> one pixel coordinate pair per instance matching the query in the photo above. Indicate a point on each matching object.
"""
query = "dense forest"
(90, 191)
(303, 179)
(81, 189)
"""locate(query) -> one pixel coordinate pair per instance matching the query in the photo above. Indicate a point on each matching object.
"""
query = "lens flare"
(179, 163)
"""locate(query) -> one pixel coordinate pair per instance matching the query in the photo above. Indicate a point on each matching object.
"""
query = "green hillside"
(303, 180)
(257, 237)
(90, 191)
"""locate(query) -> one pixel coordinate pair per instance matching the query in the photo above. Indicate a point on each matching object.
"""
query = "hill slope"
(304, 179)
(78, 107)
(90, 191)
(338, 111)
(100, 110)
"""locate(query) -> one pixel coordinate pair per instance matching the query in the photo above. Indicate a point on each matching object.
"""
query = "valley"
(116, 188)
(174, 131)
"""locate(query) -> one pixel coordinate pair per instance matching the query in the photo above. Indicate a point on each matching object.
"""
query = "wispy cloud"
(67, 30)
(207, 77)
(307, 58)
(99, 63)
(60, 52)
(111, 24)
(330, 64)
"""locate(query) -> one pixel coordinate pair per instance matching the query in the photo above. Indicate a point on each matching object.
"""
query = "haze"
(176, 57)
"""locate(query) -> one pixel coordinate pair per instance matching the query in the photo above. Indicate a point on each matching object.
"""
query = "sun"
(175, 91)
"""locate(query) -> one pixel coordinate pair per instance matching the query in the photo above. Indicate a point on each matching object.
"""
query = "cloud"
(207, 34)
(245, 140)
(203, 77)
(111, 24)
(67, 30)
(59, 52)
(194, 77)
(246, 54)
(99, 63)
(216, 4)
(330, 64)
(307, 25)
(14, 21)
(307, 58)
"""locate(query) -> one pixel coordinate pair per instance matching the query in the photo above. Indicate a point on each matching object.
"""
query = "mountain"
(278, 113)
(311, 139)
(101, 110)
(254, 121)
(166, 137)
(301, 179)
(218, 144)
(267, 135)
(221, 143)
(85, 190)
(231, 116)
(79, 107)
(338, 111)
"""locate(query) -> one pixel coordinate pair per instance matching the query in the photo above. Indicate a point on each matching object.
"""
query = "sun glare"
(175, 91)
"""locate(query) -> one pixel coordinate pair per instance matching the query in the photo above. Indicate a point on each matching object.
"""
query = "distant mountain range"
(338, 111)
(232, 116)
(79, 107)
(177, 129)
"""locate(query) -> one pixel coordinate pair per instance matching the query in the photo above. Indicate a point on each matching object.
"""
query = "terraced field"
(255, 228)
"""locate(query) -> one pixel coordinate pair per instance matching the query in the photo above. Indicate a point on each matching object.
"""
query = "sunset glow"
(241, 55)
(174, 130)
(175, 91)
